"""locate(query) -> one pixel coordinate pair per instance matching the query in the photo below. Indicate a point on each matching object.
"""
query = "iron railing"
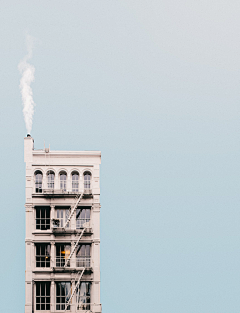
(79, 261)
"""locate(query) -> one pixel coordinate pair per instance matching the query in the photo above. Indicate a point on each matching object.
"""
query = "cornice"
(66, 154)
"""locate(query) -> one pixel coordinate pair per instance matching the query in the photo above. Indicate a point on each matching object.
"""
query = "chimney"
(28, 148)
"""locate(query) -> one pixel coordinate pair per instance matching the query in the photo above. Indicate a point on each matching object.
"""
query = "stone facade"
(62, 230)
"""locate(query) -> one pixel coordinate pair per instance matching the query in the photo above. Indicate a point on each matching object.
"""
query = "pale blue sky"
(154, 85)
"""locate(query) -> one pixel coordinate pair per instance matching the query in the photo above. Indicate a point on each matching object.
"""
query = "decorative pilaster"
(72, 261)
(52, 293)
(53, 257)
(73, 306)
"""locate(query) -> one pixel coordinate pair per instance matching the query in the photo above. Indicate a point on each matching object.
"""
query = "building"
(62, 230)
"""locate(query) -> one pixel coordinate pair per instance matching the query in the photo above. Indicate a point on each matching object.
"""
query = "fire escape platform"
(59, 193)
(88, 270)
(62, 232)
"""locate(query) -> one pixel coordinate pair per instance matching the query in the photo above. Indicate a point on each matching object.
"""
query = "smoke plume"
(27, 70)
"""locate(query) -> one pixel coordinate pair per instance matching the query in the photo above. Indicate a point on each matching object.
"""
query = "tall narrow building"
(62, 230)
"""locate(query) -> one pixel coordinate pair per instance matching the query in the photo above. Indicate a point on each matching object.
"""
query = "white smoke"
(27, 70)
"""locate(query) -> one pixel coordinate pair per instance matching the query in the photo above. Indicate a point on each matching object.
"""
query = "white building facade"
(62, 230)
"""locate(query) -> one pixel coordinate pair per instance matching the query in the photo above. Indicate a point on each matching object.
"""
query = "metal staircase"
(71, 211)
(74, 248)
(80, 273)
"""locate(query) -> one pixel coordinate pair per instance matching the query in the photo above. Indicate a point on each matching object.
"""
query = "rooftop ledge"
(57, 152)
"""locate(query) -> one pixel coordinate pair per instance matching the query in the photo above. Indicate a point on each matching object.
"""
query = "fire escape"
(80, 270)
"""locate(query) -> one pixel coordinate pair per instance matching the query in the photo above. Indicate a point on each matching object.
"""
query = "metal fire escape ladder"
(76, 286)
(78, 198)
(74, 248)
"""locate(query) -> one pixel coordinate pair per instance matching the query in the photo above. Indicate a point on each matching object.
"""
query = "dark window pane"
(47, 213)
(62, 289)
(42, 289)
(78, 249)
(58, 289)
(38, 289)
(48, 284)
(88, 289)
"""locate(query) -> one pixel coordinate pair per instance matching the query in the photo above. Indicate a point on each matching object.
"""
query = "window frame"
(51, 181)
(87, 179)
(45, 258)
(43, 222)
(83, 216)
(60, 306)
(87, 297)
(63, 182)
(38, 183)
(62, 214)
(44, 303)
(75, 182)
(61, 259)
(83, 259)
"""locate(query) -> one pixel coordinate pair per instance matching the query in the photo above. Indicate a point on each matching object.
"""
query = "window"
(43, 295)
(50, 179)
(38, 181)
(42, 218)
(43, 255)
(83, 295)
(82, 217)
(62, 254)
(83, 256)
(75, 181)
(63, 181)
(63, 294)
(87, 180)
(62, 216)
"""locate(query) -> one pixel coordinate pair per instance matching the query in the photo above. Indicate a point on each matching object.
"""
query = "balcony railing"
(81, 305)
(61, 261)
(63, 191)
(79, 261)
(82, 223)
(55, 193)
(87, 191)
(57, 224)
(82, 261)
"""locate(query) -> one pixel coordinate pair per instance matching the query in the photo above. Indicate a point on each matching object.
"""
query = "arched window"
(87, 180)
(50, 179)
(63, 181)
(75, 181)
(38, 181)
